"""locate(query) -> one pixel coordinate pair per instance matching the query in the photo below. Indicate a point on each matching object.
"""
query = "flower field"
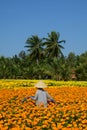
(70, 112)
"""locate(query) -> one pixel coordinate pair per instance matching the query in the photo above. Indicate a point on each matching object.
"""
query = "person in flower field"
(42, 98)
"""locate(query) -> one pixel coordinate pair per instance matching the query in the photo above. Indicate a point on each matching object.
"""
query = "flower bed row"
(30, 83)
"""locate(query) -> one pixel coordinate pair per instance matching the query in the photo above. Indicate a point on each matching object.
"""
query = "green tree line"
(44, 59)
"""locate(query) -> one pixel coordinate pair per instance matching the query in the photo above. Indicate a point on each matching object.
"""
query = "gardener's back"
(41, 97)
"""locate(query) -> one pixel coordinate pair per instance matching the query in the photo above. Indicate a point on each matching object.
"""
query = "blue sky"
(20, 19)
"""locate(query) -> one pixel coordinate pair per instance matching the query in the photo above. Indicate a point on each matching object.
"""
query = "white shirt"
(41, 96)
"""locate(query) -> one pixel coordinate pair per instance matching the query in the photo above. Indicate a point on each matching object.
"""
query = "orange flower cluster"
(70, 112)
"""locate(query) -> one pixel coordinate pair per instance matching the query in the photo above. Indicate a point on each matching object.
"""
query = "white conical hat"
(40, 84)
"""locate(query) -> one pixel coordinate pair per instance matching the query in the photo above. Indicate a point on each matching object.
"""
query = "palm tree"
(35, 49)
(53, 45)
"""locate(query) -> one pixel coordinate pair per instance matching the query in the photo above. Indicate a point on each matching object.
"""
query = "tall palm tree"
(35, 49)
(53, 45)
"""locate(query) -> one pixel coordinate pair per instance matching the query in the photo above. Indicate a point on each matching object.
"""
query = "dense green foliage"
(44, 59)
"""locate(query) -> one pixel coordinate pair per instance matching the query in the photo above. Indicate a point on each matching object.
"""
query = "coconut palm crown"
(53, 45)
